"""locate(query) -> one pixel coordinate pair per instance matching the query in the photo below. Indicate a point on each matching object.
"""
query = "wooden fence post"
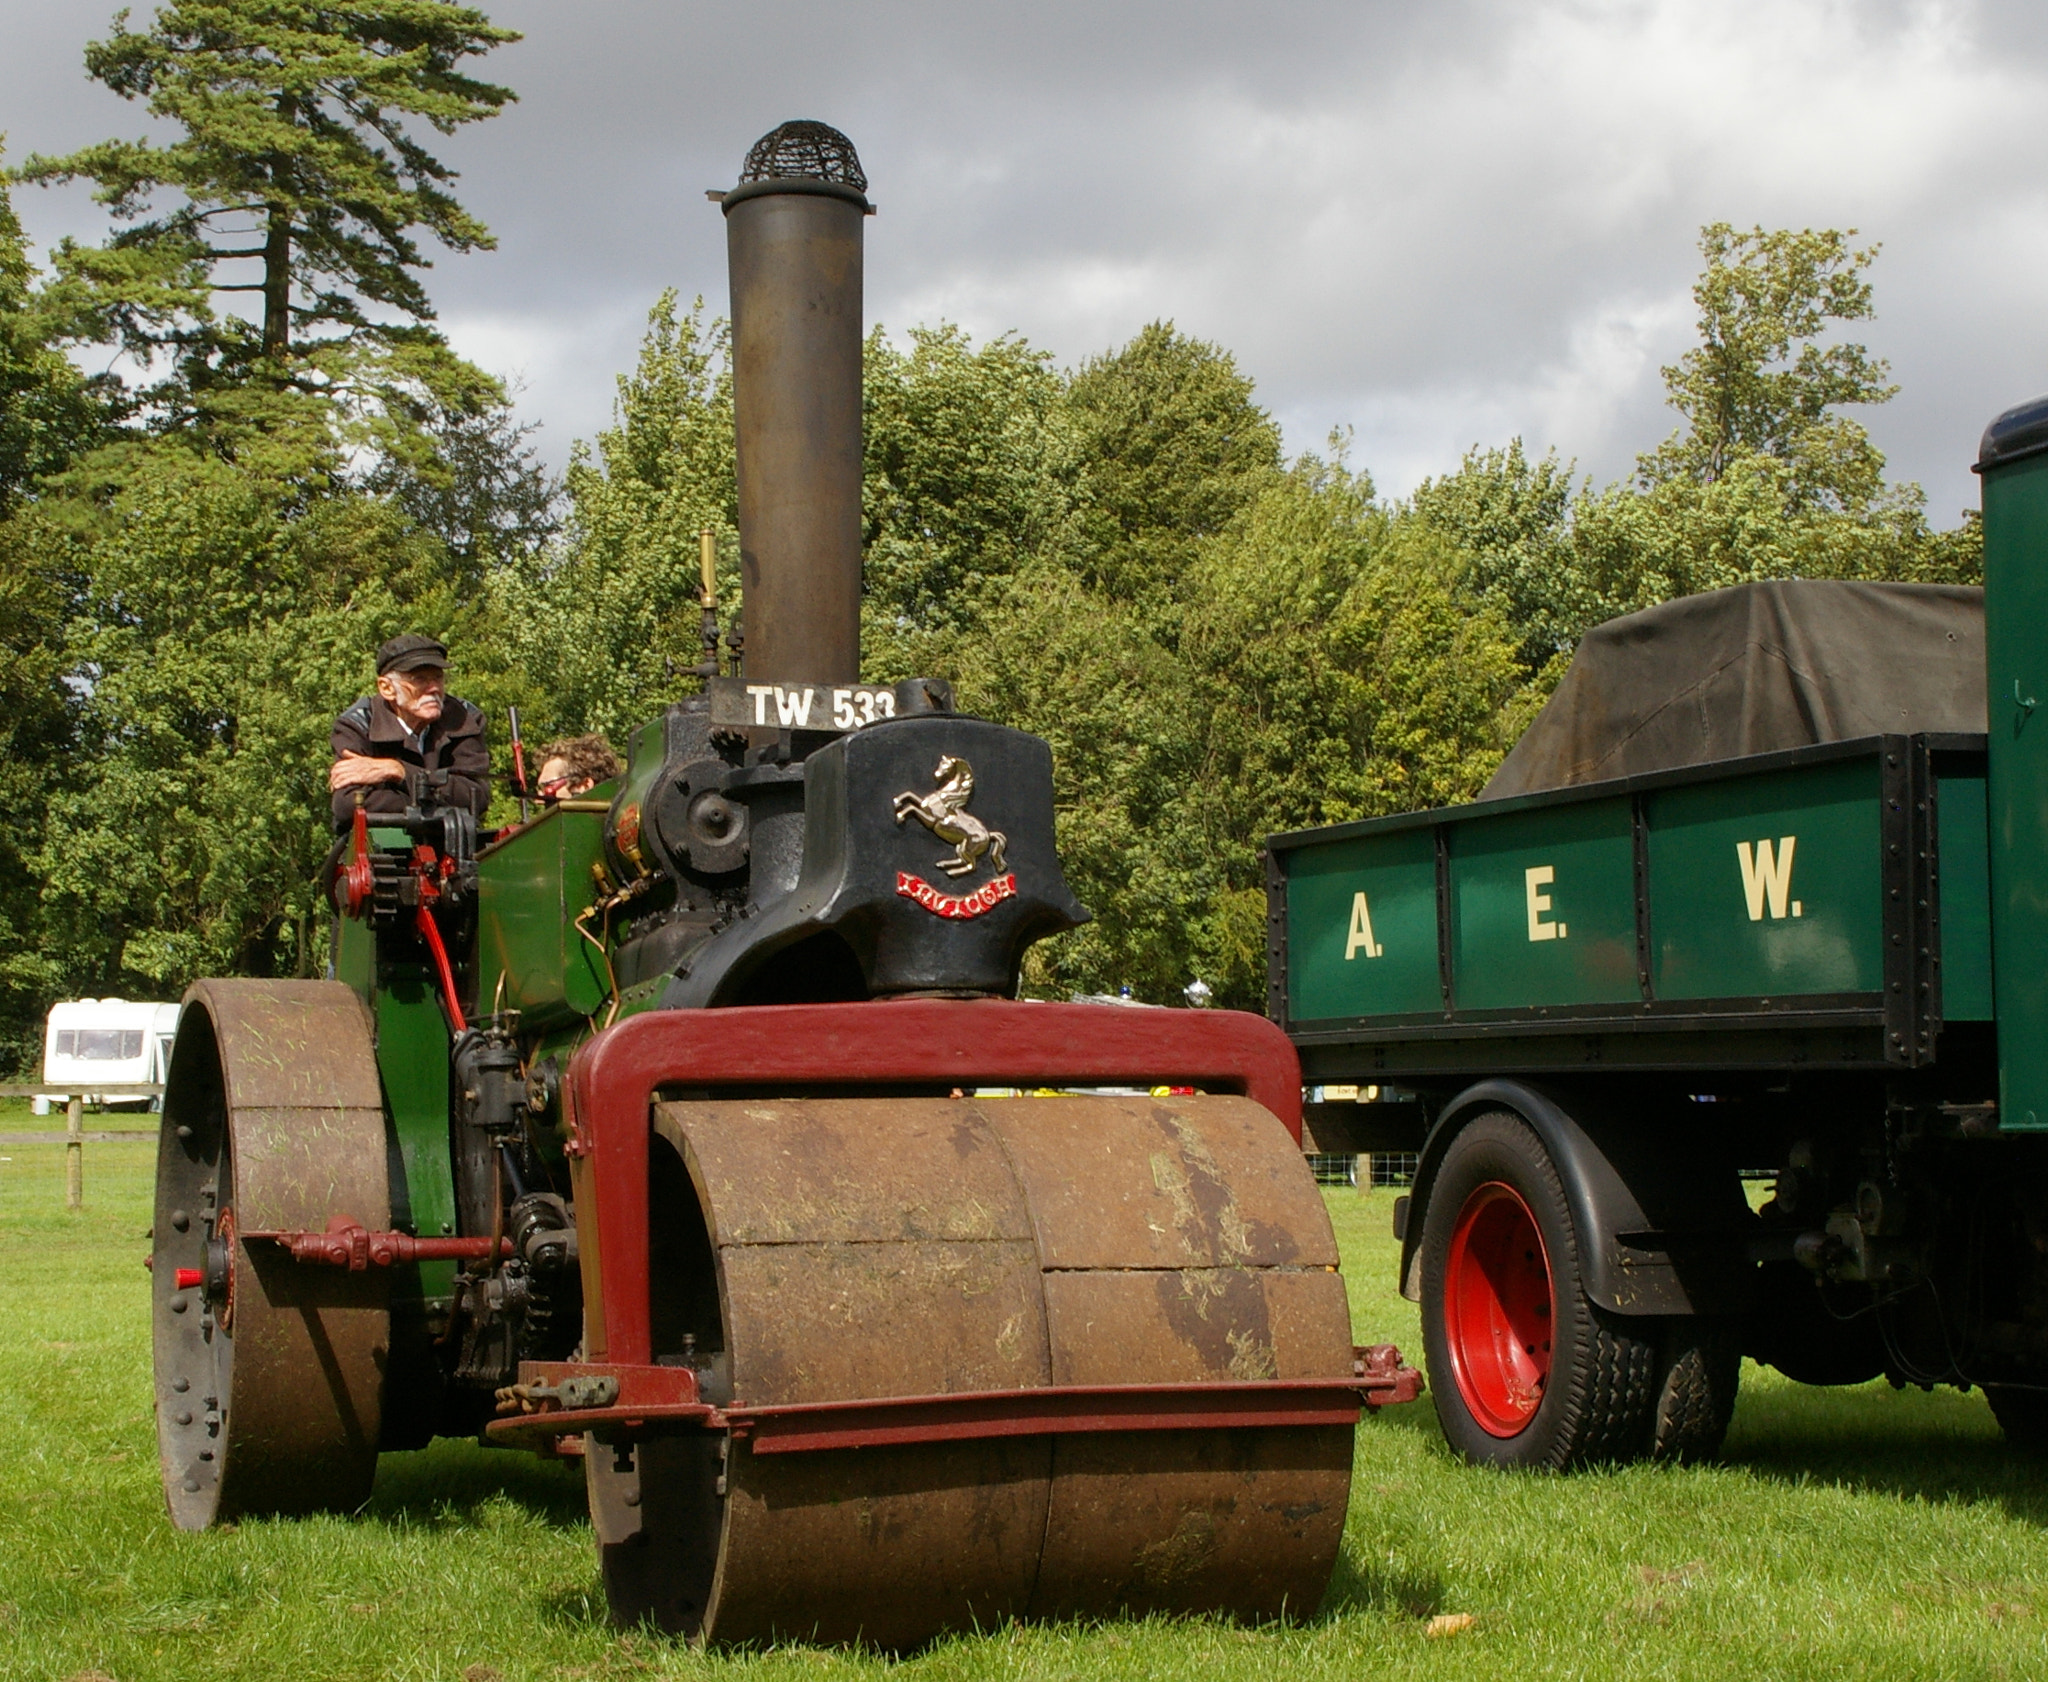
(74, 1153)
(74, 1124)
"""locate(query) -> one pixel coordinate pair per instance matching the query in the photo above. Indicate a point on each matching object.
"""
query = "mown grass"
(1851, 1533)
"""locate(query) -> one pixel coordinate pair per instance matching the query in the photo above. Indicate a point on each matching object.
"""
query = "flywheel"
(829, 1250)
(268, 1373)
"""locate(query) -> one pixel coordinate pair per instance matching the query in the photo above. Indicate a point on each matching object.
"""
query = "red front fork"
(939, 1043)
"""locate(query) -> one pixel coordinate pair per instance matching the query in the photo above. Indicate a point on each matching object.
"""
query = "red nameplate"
(984, 898)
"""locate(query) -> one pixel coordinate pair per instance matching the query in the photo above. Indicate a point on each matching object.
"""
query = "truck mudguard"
(1659, 1215)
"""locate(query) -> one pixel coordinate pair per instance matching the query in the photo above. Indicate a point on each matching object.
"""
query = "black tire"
(1596, 1401)
(1702, 1367)
(2022, 1415)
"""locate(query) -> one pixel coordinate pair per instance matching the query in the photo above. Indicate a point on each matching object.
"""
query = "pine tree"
(49, 411)
(294, 155)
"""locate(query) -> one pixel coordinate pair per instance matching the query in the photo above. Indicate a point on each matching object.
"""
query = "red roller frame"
(651, 1399)
(786, 1049)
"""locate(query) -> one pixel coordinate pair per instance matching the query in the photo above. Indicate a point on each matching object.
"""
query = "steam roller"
(693, 1130)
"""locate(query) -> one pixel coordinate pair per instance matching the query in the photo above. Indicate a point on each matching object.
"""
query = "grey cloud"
(1441, 225)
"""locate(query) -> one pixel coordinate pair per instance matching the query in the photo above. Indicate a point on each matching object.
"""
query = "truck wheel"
(2022, 1414)
(1701, 1369)
(1525, 1370)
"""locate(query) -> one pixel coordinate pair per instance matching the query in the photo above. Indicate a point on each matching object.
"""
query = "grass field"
(1850, 1533)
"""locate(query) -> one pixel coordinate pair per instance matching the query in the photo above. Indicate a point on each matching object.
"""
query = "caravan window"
(100, 1045)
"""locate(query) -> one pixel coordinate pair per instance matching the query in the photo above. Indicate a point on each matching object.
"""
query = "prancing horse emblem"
(944, 812)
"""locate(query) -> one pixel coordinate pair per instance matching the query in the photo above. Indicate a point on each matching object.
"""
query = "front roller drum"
(268, 1374)
(826, 1250)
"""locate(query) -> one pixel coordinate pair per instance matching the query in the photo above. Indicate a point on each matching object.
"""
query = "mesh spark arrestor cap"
(801, 157)
(805, 151)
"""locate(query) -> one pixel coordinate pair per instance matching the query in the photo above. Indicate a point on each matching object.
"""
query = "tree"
(1764, 481)
(1323, 667)
(294, 155)
(220, 636)
(492, 500)
(605, 622)
(186, 603)
(1511, 518)
(1174, 447)
(49, 411)
(39, 716)
(971, 462)
(1335, 671)
(1066, 662)
(1760, 383)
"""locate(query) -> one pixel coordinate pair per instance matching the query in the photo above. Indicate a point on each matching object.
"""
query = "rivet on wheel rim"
(1498, 1309)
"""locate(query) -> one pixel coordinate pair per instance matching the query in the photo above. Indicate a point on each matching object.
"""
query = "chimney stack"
(793, 243)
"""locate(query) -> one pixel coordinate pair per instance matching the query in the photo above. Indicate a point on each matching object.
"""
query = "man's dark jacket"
(452, 758)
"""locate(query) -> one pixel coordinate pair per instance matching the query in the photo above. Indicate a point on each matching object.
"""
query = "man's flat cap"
(409, 654)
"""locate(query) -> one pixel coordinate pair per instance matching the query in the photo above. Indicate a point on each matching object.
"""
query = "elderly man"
(410, 740)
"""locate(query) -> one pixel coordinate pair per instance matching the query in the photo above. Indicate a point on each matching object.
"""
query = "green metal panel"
(1361, 928)
(1768, 886)
(2016, 671)
(1965, 888)
(355, 956)
(412, 1057)
(355, 942)
(645, 995)
(412, 1062)
(530, 890)
(1543, 908)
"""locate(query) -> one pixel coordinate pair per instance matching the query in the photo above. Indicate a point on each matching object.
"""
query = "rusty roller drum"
(817, 1250)
(268, 1374)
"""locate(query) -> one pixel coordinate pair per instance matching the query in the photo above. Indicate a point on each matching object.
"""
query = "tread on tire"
(1599, 1398)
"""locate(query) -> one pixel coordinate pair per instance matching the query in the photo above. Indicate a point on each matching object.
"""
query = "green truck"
(1760, 899)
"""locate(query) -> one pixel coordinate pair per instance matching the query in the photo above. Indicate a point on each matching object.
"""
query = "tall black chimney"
(793, 244)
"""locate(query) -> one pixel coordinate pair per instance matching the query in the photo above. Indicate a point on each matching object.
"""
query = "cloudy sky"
(1438, 224)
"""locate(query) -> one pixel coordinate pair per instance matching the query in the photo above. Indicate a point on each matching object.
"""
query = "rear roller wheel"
(1524, 1369)
(268, 1373)
(825, 1250)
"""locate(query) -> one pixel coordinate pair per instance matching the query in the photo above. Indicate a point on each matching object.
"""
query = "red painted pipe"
(349, 1244)
(430, 932)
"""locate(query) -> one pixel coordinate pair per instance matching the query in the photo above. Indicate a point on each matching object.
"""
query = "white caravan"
(113, 1040)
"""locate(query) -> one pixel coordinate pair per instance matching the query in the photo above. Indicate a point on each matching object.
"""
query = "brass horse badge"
(944, 812)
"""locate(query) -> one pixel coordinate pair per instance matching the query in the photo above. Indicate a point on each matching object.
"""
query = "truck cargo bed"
(1820, 907)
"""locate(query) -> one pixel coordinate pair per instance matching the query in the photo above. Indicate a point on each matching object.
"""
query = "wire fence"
(74, 1135)
(1381, 1168)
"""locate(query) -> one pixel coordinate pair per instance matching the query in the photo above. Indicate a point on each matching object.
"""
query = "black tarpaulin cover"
(1752, 669)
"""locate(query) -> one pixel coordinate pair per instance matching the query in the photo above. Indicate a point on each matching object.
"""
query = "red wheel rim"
(1498, 1304)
